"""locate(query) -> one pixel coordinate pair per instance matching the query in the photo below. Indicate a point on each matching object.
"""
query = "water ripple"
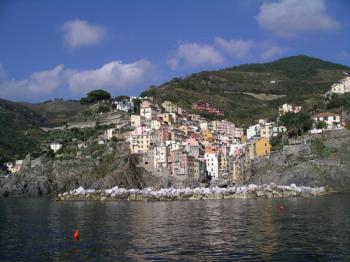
(315, 229)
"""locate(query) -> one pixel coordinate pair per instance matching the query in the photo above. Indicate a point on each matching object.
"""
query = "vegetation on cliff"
(20, 131)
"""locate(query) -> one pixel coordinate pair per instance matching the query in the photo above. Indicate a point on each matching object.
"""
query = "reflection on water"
(314, 229)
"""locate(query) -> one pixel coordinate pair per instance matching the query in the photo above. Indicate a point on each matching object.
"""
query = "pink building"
(192, 142)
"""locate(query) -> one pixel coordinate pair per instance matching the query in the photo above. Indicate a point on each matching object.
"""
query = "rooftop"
(326, 114)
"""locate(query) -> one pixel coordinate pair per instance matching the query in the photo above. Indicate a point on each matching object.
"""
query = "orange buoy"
(281, 208)
(76, 235)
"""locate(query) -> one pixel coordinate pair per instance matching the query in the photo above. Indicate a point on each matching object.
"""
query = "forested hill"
(20, 131)
(252, 91)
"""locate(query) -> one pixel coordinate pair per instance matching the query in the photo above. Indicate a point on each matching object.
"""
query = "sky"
(64, 49)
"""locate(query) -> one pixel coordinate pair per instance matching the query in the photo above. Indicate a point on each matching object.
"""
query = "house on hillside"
(55, 147)
(285, 108)
(124, 105)
(147, 110)
(339, 88)
(332, 120)
(136, 121)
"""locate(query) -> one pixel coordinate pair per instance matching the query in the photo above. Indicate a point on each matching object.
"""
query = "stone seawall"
(166, 194)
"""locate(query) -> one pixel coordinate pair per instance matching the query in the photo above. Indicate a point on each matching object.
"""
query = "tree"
(121, 98)
(339, 101)
(276, 142)
(84, 101)
(321, 125)
(296, 123)
(95, 96)
(137, 103)
(103, 109)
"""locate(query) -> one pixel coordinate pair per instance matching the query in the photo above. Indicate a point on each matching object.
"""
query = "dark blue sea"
(307, 229)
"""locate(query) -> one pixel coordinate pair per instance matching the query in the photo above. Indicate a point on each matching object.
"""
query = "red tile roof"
(326, 114)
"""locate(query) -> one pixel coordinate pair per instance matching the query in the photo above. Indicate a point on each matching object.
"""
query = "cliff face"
(44, 176)
(308, 166)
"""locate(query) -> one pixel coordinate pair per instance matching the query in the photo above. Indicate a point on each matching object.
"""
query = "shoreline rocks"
(170, 194)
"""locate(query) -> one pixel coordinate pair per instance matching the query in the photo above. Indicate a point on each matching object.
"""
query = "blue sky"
(54, 49)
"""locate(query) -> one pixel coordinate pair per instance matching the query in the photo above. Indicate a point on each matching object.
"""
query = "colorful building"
(262, 147)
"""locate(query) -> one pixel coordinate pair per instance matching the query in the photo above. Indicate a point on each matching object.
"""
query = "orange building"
(262, 147)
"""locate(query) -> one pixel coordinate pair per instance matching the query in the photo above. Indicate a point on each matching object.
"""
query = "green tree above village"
(296, 123)
(95, 96)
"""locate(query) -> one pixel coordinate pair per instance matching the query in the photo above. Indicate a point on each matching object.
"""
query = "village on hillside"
(173, 142)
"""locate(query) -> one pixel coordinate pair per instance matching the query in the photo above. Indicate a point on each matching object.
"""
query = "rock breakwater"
(168, 194)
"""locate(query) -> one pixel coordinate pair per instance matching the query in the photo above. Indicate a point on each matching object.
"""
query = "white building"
(266, 131)
(126, 106)
(332, 120)
(278, 130)
(285, 108)
(160, 156)
(339, 88)
(237, 149)
(55, 147)
(109, 133)
(155, 124)
(147, 110)
(135, 120)
(203, 125)
(239, 132)
(212, 164)
(101, 141)
(253, 131)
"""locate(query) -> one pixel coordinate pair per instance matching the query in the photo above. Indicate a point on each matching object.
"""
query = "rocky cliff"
(321, 161)
(45, 176)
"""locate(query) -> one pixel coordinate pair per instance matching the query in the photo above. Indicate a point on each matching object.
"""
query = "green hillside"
(19, 132)
(57, 112)
(252, 91)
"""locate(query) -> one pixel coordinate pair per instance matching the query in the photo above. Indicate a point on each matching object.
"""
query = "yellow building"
(140, 144)
(243, 139)
(262, 147)
(223, 162)
(206, 134)
(168, 118)
(183, 129)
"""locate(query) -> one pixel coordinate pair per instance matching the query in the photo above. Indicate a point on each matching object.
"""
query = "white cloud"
(194, 54)
(81, 33)
(271, 50)
(38, 84)
(112, 76)
(237, 48)
(288, 18)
